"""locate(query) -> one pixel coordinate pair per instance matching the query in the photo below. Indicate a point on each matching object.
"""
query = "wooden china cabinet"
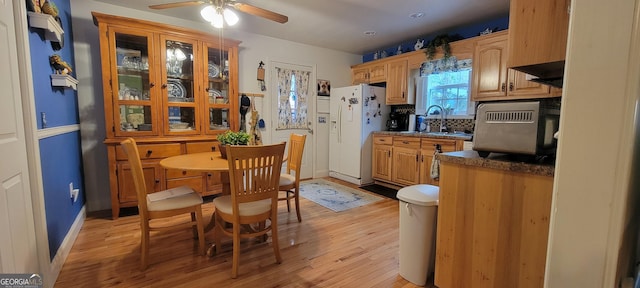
(173, 90)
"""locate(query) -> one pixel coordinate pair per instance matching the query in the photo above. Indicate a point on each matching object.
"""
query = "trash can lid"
(423, 194)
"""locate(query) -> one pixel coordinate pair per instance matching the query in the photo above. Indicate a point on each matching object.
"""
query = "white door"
(282, 135)
(17, 239)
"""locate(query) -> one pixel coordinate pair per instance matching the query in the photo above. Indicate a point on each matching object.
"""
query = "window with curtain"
(293, 91)
(447, 83)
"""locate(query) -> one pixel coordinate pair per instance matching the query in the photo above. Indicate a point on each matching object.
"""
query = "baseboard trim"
(67, 244)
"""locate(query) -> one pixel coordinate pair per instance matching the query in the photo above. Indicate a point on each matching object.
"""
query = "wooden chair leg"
(236, 251)
(297, 199)
(194, 228)
(274, 237)
(287, 199)
(200, 228)
(144, 245)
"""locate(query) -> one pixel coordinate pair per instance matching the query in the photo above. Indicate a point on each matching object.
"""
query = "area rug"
(335, 196)
(381, 190)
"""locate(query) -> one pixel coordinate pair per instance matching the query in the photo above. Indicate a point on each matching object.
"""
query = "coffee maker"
(397, 121)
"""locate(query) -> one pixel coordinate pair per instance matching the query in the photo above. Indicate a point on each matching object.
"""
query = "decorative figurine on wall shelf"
(59, 65)
(48, 7)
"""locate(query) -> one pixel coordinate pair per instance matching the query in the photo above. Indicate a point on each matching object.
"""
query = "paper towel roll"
(412, 123)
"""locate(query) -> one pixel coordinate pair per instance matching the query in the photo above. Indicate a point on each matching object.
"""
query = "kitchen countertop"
(454, 136)
(499, 161)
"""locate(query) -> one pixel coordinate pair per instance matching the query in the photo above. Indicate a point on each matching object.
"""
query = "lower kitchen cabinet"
(406, 160)
(492, 227)
(382, 156)
(429, 147)
(405, 167)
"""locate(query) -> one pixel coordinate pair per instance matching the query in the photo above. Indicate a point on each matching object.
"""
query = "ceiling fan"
(221, 5)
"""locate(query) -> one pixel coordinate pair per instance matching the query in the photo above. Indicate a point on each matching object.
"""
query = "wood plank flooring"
(353, 248)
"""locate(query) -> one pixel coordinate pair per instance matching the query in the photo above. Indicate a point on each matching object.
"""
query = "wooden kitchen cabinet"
(538, 35)
(492, 227)
(428, 148)
(405, 167)
(492, 80)
(169, 88)
(369, 73)
(382, 157)
(397, 82)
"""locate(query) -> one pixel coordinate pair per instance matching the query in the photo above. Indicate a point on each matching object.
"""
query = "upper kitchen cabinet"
(491, 78)
(538, 38)
(397, 82)
(369, 73)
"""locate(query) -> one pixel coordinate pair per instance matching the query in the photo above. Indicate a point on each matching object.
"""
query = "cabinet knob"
(164, 86)
(184, 172)
(209, 175)
(149, 152)
(503, 87)
(152, 84)
(206, 89)
(213, 148)
(510, 86)
(157, 181)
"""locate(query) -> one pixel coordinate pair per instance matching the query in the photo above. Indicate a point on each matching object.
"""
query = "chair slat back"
(296, 150)
(133, 156)
(254, 172)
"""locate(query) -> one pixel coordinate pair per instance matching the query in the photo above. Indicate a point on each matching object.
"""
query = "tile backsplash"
(466, 125)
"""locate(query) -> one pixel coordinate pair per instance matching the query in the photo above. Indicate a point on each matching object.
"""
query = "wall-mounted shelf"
(53, 31)
(64, 81)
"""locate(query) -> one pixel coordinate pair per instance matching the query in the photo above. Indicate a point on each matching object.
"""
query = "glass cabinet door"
(133, 85)
(179, 86)
(217, 89)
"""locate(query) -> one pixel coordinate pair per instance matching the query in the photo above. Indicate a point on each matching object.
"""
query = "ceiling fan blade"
(253, 10)
(176, 4)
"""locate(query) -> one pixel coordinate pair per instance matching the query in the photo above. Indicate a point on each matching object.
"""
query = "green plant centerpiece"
(442, 41)
(231, 138)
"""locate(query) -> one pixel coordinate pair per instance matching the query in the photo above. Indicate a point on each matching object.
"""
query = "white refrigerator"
(355, 111)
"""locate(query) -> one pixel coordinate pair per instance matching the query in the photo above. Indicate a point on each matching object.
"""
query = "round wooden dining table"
(202, 162)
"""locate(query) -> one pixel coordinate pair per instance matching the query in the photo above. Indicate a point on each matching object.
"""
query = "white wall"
(330, 65)
(593, 167)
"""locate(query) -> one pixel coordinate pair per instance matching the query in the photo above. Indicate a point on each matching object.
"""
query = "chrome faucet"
(442, 111)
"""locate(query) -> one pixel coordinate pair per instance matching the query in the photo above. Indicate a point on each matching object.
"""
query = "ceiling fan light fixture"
(208, 12)
(230, 17)
(218, 20)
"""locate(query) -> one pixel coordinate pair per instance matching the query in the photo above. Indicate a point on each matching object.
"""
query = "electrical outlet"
(74, 194)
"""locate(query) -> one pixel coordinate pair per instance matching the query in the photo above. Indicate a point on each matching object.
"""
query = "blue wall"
(60, 155)
(467, 31)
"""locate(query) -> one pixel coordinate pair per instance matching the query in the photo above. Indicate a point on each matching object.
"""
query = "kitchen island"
(493, 221)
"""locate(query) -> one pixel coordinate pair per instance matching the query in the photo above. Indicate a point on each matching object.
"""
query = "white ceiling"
(340, 24)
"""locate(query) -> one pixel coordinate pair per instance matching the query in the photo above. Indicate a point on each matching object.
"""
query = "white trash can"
(418, 211)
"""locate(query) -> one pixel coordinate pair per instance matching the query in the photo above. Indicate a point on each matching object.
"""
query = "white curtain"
(293, 91)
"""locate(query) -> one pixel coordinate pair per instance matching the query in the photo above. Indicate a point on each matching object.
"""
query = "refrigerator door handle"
(340, 124)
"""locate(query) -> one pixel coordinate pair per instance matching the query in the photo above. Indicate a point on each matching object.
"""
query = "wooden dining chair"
(290, 182)
(254, 172)
(162, 204)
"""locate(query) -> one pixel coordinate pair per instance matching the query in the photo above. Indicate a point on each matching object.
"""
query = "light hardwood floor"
(353, 248)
